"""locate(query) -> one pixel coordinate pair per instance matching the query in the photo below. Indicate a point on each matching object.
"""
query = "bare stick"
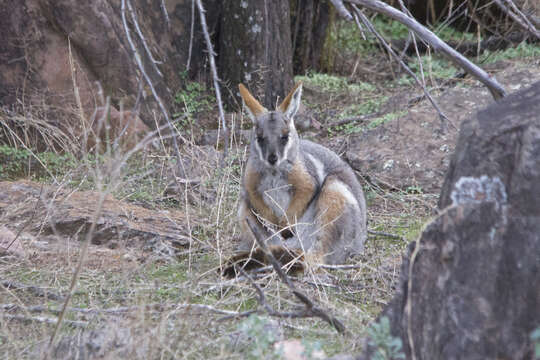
(371, 28)
(36, 290)
(141, 36)
(165, 14)
(385, 234)
(191, 34)
(211, 54)
(45, 320)
(496, 90)
(82, 258)
(259, 233)
(153, 90)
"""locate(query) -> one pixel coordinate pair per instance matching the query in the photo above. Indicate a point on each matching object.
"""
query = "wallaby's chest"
(276, 192)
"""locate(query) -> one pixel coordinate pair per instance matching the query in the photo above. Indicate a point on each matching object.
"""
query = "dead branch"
(371, 28)
(191, 34)
(211, 55)
(133, 14)
(496, 90)
(45, 320)
(122, 309)
(517, 16)
(341, 9)
(310, 309)
(36, 290)
(165, 14)
(385, 234)
(148, 81)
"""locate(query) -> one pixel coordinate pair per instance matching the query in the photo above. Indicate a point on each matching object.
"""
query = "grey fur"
(326, 170)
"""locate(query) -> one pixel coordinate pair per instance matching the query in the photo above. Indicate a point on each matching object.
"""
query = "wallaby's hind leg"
(338, 222)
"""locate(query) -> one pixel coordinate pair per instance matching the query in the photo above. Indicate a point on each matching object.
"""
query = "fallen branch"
(123, 309)
(45, 320)
(496, 90)
(310, 309)
(36, 290)
(518, 16)
(385, 234)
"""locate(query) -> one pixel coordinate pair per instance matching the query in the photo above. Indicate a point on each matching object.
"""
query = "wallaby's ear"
(252, 105)
(291, 103)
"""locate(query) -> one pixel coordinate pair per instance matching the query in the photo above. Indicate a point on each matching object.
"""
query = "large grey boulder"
(470, 286)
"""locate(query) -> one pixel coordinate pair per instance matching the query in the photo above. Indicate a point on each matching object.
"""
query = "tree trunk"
(310, 20)
(255, 49)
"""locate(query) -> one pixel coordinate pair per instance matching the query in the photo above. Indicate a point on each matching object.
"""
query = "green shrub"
(388, 347)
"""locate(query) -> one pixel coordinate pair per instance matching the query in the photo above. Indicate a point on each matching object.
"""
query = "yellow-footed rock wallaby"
(303, 192)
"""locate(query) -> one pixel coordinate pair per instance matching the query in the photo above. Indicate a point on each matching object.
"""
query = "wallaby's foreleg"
(303, 188)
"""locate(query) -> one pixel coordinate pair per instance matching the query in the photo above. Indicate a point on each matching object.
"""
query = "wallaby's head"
(274, 139)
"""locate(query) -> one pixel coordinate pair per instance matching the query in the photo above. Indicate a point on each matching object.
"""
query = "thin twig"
(165, 14)
(259, 233)
(211, 54)
(133, 14)
(82, 258)
(138, 61)
(385, 234)
(408, 304)
(191, 34)
(341, 267)
(45, 320)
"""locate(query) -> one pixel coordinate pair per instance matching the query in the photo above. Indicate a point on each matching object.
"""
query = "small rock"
(9, 243)
(295, 350)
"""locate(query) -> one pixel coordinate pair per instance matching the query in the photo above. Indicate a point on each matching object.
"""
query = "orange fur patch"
(285, 103)
(251, 182)
(330, 206)
(254, 106)
(303, 189)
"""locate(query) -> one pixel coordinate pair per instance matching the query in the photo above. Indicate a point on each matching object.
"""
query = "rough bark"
(472, 283)
(255, 49)
(310, 21)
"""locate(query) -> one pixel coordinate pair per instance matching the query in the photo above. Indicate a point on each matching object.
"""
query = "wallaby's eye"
(284, 138)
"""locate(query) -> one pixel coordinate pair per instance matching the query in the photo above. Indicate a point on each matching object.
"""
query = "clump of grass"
(385, 118)
(522, 51)
(22, 162)
(333, 83)
(434, 68)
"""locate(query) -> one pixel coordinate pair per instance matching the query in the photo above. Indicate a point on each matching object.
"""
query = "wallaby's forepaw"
(290, 260)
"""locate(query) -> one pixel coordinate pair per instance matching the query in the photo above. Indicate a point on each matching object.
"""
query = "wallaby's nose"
(272, 158)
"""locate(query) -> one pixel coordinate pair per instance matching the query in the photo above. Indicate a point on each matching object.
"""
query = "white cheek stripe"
(259, 151)
(289, 143)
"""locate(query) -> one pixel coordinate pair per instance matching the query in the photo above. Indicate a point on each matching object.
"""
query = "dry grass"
(141, 302)
(157, 300)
